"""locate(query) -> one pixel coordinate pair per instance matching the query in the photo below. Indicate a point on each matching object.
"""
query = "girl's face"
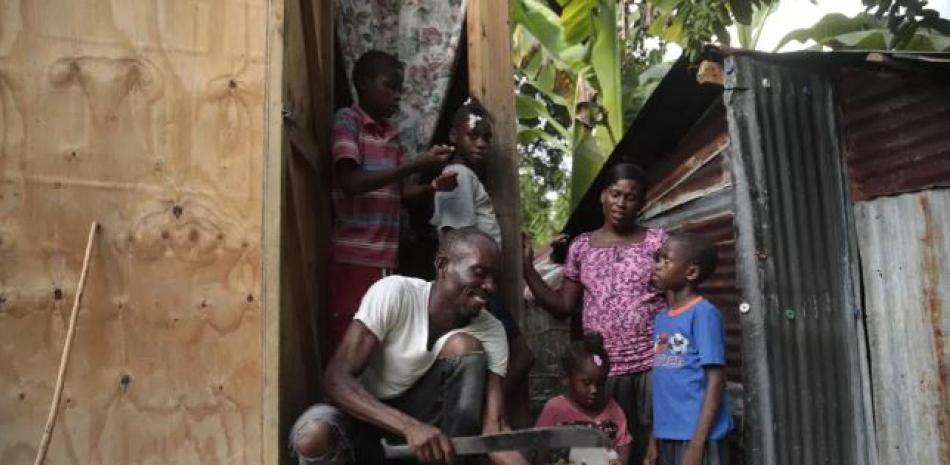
(472, 141)
(585, 386)
(621, 202)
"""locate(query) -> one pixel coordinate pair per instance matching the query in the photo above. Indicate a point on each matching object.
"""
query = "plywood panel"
(145, 116)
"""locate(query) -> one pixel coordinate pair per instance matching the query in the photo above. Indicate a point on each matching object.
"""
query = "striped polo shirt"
(366, 226)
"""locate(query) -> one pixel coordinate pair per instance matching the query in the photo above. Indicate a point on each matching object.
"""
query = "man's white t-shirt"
(396, 311)
(466, 205)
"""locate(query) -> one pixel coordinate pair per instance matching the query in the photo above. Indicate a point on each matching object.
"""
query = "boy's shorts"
(348, 284)
(673, 452)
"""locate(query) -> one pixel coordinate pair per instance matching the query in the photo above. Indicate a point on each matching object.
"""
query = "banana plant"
(866, 31)
(748, 34)
(570, 91)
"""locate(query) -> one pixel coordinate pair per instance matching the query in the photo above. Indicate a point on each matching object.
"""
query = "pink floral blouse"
(619, 301)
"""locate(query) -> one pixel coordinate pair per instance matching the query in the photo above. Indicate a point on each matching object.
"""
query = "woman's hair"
(470, 109)
(590, 348)
(626, 171)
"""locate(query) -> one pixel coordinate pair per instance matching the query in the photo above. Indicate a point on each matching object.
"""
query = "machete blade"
(525, 439)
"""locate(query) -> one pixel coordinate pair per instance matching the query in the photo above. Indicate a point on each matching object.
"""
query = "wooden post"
(319, 32)
(490, 78)
(272, 438)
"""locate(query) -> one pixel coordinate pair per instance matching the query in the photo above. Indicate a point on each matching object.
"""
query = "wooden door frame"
(489, 51)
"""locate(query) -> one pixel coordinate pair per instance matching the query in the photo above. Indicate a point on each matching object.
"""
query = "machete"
(525, 439)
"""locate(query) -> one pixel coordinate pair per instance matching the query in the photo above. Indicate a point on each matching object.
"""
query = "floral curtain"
(424, 35)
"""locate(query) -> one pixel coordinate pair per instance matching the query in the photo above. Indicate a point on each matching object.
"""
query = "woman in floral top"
(609, 271)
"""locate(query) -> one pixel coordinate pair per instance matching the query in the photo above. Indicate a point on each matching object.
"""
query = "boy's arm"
(652, 451)
(413, 192)
(354, 180)
(715, 382)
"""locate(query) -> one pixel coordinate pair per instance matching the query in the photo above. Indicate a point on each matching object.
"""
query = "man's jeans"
(450, 396)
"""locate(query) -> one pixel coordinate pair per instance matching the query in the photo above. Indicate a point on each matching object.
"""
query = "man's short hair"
(373, 63)
(700, 251)
(453, 240)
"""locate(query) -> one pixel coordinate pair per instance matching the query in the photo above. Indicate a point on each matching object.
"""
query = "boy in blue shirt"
(690, 413)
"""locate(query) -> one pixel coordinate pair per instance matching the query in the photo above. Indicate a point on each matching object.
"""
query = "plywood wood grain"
(145, 116)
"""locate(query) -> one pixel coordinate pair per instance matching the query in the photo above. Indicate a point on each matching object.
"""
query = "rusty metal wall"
(905, 257)
(805, 400)
(896, 127)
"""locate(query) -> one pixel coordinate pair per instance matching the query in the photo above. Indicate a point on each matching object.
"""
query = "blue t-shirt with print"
(684, 344)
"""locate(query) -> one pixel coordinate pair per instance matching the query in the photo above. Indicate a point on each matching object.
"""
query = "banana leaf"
(585, 164)
(545, 25)
(605, 60)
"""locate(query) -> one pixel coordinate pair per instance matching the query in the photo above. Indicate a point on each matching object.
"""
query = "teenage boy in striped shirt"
(370, 182)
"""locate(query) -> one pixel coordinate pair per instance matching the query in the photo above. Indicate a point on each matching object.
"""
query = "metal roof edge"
(672, 110)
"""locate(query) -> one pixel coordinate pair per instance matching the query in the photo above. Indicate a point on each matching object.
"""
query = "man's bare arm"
(344, 390)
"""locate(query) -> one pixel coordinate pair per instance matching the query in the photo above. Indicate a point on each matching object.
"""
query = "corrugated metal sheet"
(896, 127)
(905, 258)
(804, 398)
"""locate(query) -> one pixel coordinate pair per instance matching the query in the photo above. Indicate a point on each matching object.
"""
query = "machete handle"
(396, 451)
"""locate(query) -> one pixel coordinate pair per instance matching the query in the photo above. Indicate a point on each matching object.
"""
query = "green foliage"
(694, 23)
(885, 25)
(583, 70)
(568, 72)
(537, 19)
(907, 20)
(542, 218)
(748, 34)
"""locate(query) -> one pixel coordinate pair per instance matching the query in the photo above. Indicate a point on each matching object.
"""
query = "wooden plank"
(272, 440)
(490, 80)
(145, 116)
(304, 219)
(318, 35)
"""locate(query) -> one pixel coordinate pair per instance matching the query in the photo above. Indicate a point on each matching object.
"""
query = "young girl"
(585, 366)
(469, 205)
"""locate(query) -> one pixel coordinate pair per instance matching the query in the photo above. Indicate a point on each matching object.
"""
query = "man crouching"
(421, 361)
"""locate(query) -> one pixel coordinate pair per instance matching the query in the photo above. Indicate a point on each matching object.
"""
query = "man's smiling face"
(468, 277)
